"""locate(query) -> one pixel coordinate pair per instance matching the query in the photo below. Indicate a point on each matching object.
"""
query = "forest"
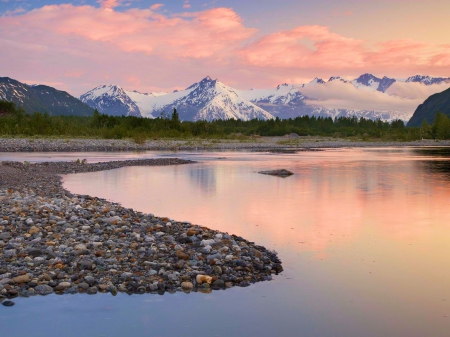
(14, 122)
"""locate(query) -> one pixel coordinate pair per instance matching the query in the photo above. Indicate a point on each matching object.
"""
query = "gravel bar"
(52, 241)
(255, 143)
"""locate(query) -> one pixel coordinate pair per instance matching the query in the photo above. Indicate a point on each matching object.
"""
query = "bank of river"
(247, 143)
(54, 241)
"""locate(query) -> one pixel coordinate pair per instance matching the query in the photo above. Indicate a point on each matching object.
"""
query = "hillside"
(429, 108)
(42, 98)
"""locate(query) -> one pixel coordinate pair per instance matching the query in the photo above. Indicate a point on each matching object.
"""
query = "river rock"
(22, 278)
(43, 289)
(200, 279)
(279, 173)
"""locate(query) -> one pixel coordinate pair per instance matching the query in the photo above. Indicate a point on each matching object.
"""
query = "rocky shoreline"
(52, 241)
(249, 143)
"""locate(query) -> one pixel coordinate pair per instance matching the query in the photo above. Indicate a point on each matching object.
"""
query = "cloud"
(16, 11)
(156, 7)
(414, 90)
(403, 97)
(167, 51)
(111, 46)
(316, 48)
(193, 35)
(109, 3)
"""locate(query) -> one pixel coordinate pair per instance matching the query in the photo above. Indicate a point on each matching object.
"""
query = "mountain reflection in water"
(363, 235)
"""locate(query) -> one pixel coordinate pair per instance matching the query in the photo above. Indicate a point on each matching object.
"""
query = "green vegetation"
(427, 110)
(16, 123)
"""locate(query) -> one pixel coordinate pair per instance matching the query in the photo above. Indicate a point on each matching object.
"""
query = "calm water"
(364, 236)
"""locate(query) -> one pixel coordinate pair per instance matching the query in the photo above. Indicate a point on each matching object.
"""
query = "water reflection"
(363, 235)
(204, 179)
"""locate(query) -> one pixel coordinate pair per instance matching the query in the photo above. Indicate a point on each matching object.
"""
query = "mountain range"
(42, 98)
(211, 99)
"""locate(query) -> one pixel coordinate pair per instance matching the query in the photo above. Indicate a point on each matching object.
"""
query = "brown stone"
(191, 232)
(187, 286)
(181, 255)
(22, 278)
(50, 243)
(34, 230)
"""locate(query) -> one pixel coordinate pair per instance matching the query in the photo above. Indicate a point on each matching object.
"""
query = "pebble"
(54, 241)
(258, 144)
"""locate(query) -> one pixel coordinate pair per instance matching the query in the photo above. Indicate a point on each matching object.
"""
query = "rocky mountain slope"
(42, 98)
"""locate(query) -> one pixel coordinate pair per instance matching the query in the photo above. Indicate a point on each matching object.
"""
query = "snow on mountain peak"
(427, 80)
(337, 78)
(111, 99)
(211, 99)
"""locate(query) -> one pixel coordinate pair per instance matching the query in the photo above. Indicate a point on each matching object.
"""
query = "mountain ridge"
(42, 98)
(429, 108)
(211, 99)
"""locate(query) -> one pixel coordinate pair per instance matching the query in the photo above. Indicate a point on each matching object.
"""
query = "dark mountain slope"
(42, 98)
(428, 109)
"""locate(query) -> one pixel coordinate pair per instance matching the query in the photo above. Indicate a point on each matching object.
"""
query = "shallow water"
(363, 235)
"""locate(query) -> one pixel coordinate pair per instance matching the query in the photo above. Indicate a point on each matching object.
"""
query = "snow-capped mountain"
(337, 78)
(211, 99)
(314, 81)
(206, 100)
(427, 80)
(111, 100)
(288, 101)
(372, 82)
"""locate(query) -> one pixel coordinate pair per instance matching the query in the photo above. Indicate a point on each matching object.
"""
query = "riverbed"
(363, 235)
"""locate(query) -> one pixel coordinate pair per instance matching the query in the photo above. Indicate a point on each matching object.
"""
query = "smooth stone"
(8, 303)
(5, 236)
(43, 289)
(187, 285)
(218, 284)
(83, 286)
(92, 290)
(244, 284)
(200, 279)
(63, 286)
(80, 247)
(22, 278)
(33, 230)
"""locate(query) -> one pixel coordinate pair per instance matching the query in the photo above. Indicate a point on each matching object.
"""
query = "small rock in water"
(279, 173)
(8, 303)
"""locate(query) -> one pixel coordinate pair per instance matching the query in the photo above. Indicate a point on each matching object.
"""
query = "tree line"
(15, 122)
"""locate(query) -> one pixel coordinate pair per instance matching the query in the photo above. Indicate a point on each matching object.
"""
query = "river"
(363, 234)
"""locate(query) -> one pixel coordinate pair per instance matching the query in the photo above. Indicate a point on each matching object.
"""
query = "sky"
(161, 46)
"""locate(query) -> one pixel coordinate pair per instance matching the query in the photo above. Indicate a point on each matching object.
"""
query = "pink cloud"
(148, 50)
(109, 3)
(194, 35)
(316, 48)
(156, 6)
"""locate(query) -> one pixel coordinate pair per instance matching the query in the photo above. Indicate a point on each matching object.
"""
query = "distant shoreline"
(249, 143)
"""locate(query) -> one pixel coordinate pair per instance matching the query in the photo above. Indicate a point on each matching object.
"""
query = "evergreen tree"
(425, 130)
(175, 116)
